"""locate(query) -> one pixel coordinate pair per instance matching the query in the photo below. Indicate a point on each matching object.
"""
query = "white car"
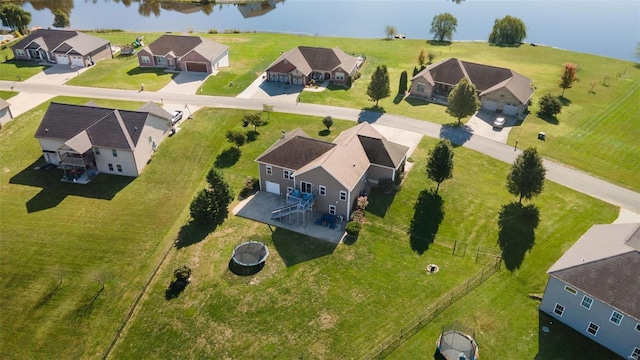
(499, 122)
(176, 116)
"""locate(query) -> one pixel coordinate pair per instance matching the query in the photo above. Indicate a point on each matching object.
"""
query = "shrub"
(353, 228)
(182, 274)
(549, 105)
(213, 31)
(247, 185)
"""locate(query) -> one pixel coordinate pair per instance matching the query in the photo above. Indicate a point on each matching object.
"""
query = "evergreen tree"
(402, 88)
(440, 163)
(526, 178)
(210, 206)
(379, 85)
(463, 100)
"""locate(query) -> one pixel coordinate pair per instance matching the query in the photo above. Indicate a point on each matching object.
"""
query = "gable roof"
(180, 45)
(4, 104)
(347, 158)
(84, 126)
(307, 59)
(61, 40)
(486, 78)
(604, 263)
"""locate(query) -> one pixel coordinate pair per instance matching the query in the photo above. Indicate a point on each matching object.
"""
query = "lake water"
(607, 28)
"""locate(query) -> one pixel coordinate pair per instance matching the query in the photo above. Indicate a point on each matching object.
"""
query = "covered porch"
(77, 168)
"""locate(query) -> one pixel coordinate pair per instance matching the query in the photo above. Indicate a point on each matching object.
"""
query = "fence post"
(477, 253)
(454, 247)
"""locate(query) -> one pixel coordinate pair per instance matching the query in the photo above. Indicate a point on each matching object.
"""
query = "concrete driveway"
(185, 83)
(262, 89)
(481, 124)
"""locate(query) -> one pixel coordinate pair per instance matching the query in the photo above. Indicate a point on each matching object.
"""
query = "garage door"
(489, 105)
(199, 67)
(62, 59)
(77, 61)
(272, 187)
(510, 109)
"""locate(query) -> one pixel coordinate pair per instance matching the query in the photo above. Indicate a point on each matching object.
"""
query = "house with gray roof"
(499, 89)
(331, 175)
(595, 288)
(85, 140)
(67, 47)
(184, 53)
(303, 64)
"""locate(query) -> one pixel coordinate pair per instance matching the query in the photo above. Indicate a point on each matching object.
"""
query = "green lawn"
(12, 70)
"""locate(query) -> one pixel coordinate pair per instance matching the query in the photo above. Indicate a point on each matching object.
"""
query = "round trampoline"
(456, 345)
(248, 258)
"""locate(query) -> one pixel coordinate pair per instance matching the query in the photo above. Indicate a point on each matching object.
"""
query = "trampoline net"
(250, 253)
(457, 345)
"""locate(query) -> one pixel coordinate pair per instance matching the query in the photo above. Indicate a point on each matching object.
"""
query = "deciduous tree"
(508, 31)
(60, 19)
(568, 76)
(463, 100)
(253, 118)
(14, 17)
(440, 163)
(422, 58)
(443, 26)
(389, 31)
(379, 85)
(327, 122)
(526, 178)
(268, 109)
(549, 105)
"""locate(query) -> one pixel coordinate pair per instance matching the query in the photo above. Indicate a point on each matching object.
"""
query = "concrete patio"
(258, 207)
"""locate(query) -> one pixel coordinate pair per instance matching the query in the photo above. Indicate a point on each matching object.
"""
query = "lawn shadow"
(416, 101)
(553, 340)
(252, 135)
(398, 99)
(324, 132)
(517, 236)
(549, 119)
(54, 191)
(227, 158)
(564, 101)
(439, 43)
(427, 217)
(194, 232)
(296, 248)
(457, 134)
(175, 288)
(240, 270)
(156, 71)
(369, 115)
(380, 201)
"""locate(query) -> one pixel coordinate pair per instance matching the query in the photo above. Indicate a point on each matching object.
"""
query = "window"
(635, 354)
(269, 170)
(287, 174)
(421, 87)
(19, 52)
(593, 329)
(114, 153)
(161, 60)
(110, 167)
(322, 190)
(570, 289)
(559, 309)
(616, 317)
(586, 302)
(289, 190)
(119, 168)
(339, 76)
(332, 209)
(96, 151)
(638, 327)
(145, 59)
(343, 195)
(306, 187)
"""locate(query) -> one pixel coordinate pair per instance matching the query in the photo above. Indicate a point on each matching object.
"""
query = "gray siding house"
(594, 288)
(333, 173)
(62, 47)
(499, 89)
(85, 140)
(184, 53)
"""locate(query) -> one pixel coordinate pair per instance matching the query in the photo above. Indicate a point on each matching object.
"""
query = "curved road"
(556, 172)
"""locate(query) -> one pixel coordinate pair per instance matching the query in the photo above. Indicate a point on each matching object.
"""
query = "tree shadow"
(457, 134)
(54, 191)
(295, 248)
(324, 132)
(156, 71)
(252, 135)
(398, 99)
(416, 101)
(368, 115)
(427, 217)
(552, 344)
(175, 288)
(564, 101)
(194, 232)
(380, 201)
(517, 236)
(227, 158)
(439, 43)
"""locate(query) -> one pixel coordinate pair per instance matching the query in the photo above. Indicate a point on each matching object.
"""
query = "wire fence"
(387, 346)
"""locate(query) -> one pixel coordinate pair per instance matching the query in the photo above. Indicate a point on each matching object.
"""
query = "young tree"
(526, 178)
(568, 76)
(14, 17)
(253, 118)
(210, 206)
(390, 30)
(463, 100)
(422, 58)
(328, 122)
(443, 26)
(440, 163)
(402, 88)
(236, 137)
(508, 31)
(430, 57)
(379, 86)
(549, 105)
(268, 109)
(60, 19)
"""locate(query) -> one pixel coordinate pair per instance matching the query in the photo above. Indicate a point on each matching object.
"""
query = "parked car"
(499, 122)
(176, 116)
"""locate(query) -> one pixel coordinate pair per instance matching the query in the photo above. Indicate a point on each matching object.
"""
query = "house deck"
(259, 206)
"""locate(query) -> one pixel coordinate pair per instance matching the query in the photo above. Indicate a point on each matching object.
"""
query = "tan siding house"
(184, 53)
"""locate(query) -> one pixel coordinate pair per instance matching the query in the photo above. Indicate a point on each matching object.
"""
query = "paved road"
(558, 173)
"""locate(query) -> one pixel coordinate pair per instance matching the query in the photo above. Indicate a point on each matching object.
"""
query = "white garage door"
(272, 187)
(77, 61)
(510, 109)
(489, 105)
(62, 59)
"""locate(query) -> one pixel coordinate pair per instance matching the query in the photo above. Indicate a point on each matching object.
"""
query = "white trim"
(322, 190)
(590, 302)
(638, 327)
(561, 310)
(611, 318)
(269, 170)
(597, 327)
(635, 354)
(287, 174)
(332, 209)
(342, 192)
